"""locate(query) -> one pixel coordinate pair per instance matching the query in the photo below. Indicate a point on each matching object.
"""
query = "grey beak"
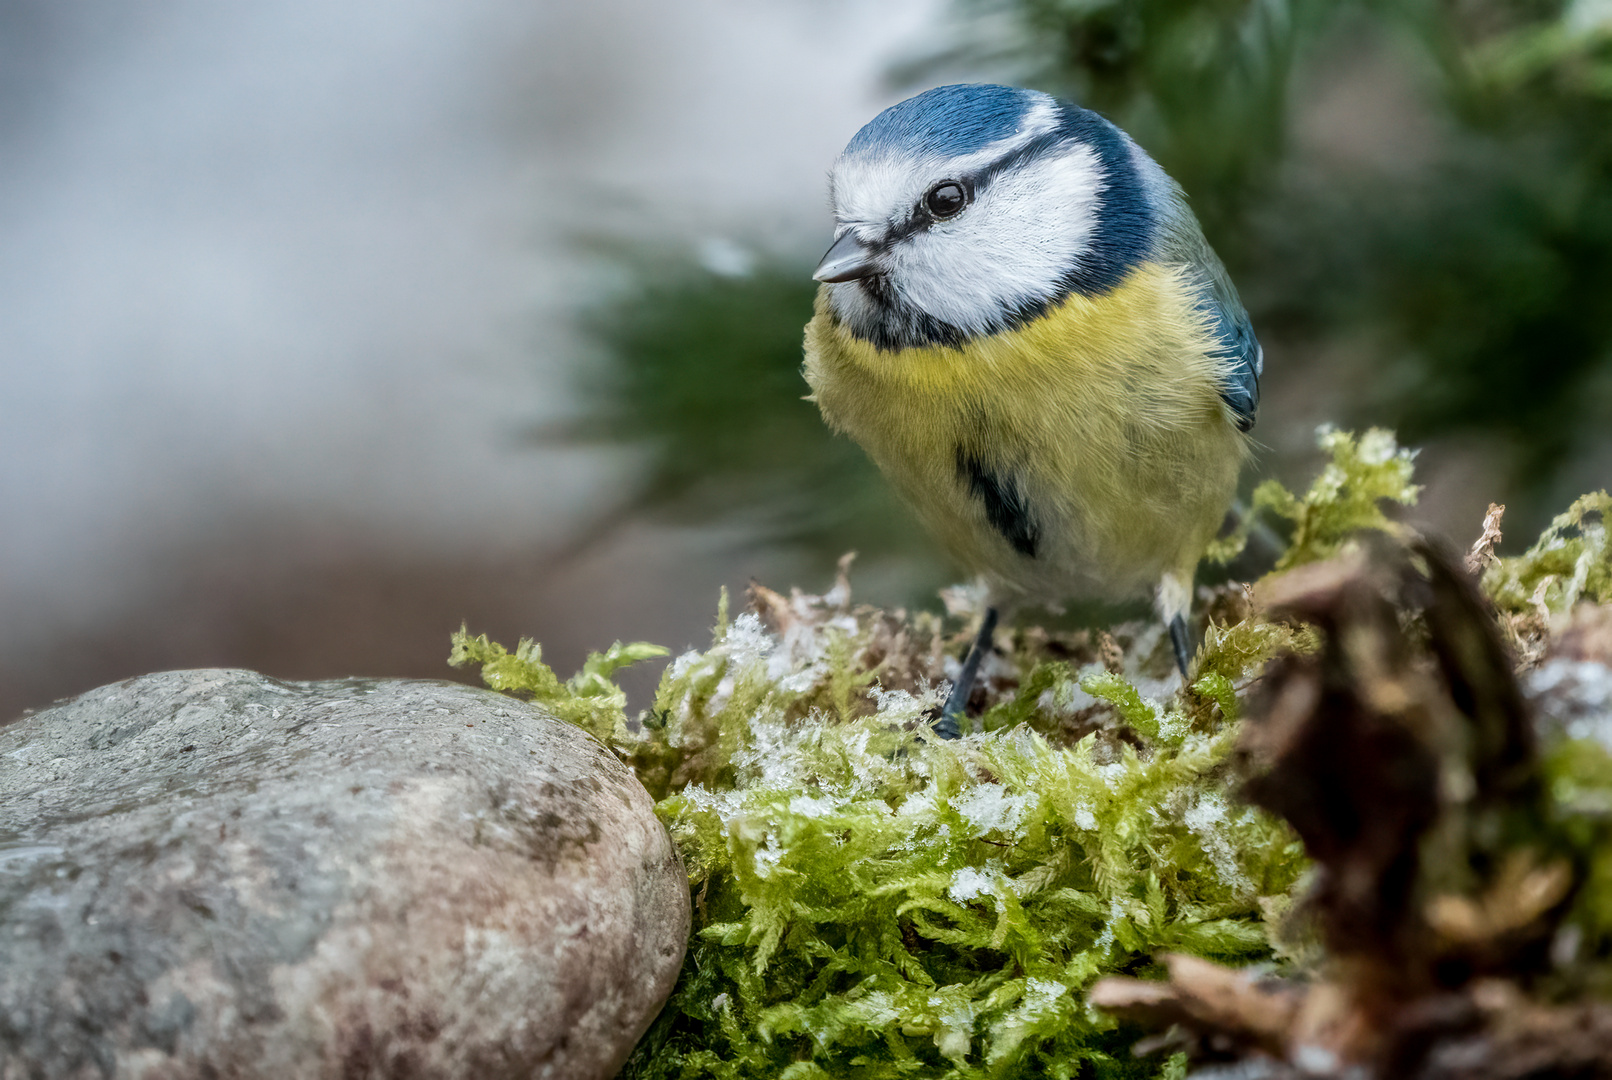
(847, 260)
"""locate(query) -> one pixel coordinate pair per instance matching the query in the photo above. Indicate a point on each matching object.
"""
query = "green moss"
(1139, 714)
(875, 903)
(1571, 562)
(1344, 500)
(871, 902)
(589, 699)
(1029, 701)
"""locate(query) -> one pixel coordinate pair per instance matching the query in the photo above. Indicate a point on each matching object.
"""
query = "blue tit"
(1022, 324)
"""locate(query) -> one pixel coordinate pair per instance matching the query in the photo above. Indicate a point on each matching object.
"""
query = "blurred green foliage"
(707, 371)
(1464, 279)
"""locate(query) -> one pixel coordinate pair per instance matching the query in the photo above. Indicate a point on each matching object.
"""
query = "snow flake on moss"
(988, 808)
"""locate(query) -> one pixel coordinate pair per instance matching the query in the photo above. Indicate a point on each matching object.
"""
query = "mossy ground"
(872, 902)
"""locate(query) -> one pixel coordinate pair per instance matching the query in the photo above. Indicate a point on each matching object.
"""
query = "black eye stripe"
(923, 215)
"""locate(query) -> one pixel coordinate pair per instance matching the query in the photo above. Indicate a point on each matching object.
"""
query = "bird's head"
(968, 209)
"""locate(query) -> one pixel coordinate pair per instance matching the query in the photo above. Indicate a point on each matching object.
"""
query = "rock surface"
(214, 873)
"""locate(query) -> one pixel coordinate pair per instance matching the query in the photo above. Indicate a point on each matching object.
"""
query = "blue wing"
(1243, 357)
(1180, 241)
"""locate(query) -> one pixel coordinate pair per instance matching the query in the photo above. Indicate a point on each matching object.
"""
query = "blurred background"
(324, 328)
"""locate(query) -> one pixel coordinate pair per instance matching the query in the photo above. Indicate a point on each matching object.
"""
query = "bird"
(1021, 323)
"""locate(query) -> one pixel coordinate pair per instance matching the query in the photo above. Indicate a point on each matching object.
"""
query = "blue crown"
(947, 121)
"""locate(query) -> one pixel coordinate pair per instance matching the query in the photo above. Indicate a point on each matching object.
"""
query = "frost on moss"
(1460, 891)
(876, 903)
(871, 902)
(1572, 561)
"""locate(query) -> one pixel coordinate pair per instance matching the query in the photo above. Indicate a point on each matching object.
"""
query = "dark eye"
(945, 198)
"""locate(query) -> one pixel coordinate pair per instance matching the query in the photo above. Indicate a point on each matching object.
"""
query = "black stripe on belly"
(1005, 505)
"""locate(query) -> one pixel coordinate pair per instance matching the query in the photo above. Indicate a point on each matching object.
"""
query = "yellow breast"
(1101, 421)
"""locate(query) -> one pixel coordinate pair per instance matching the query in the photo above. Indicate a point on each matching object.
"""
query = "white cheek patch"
(1028, 227)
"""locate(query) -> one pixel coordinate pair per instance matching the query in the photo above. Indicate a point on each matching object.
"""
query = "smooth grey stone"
(218, 874)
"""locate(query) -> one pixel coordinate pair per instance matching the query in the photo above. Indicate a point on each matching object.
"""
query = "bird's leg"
(1174, 601)
(1183, 650)
(957, 702)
